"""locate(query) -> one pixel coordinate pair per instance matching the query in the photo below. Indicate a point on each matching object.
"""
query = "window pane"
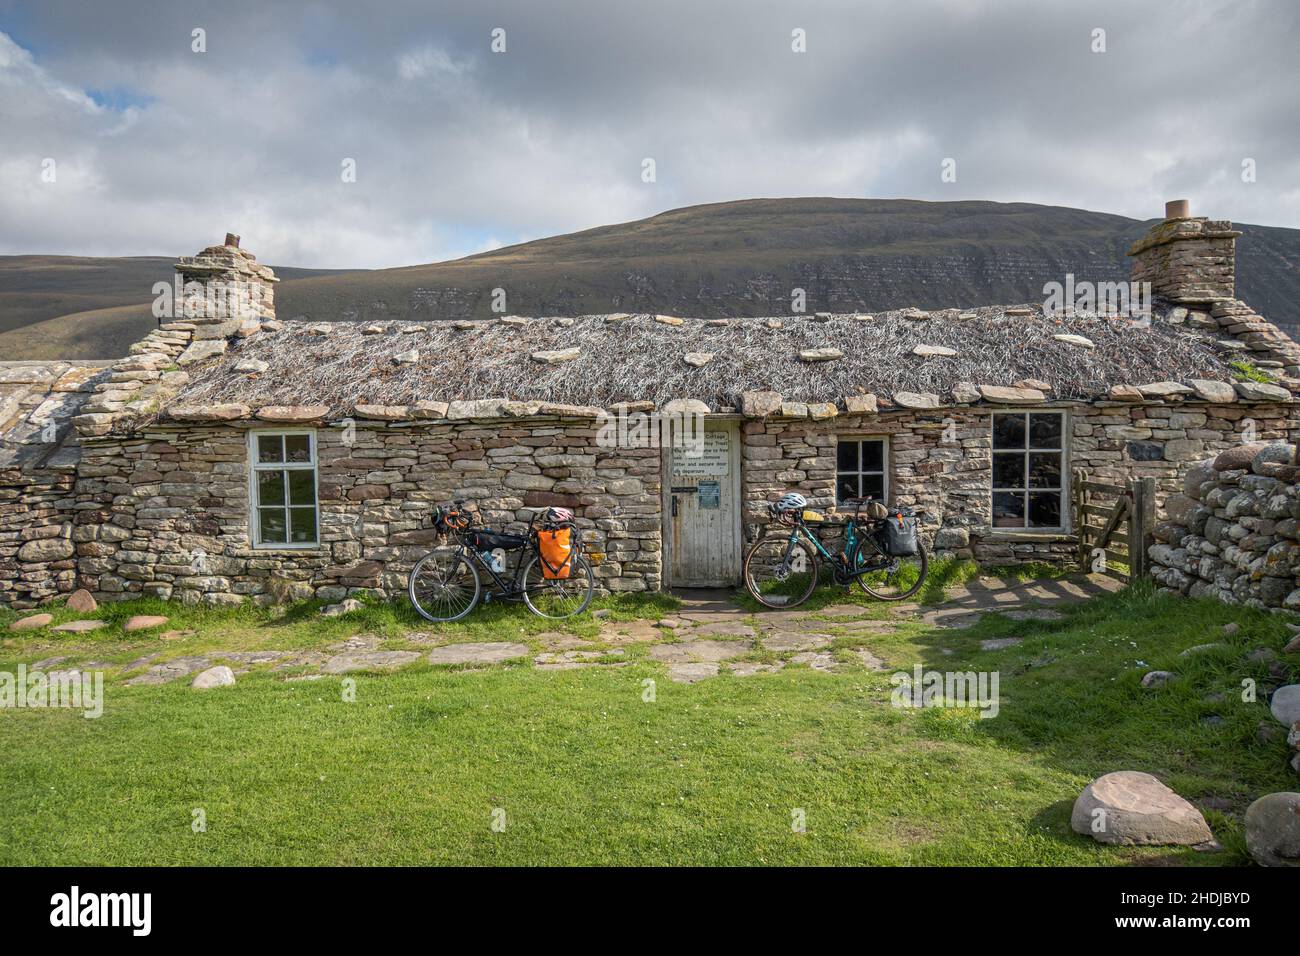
(302, 486)
(1008, 431)
(270, 448)
(1044, 509)
(272, 528)
(1045, 431)
(1045, 470)
(297, 447)
(873, 456)
(846, 487)
(1008, 509)
(303, 524)
(1009, 470)
(270, 487)
(874, 485)
(846, 456)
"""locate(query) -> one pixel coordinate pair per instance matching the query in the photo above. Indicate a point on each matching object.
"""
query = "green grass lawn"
(587, 771)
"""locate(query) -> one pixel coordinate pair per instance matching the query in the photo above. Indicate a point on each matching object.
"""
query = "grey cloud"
(456, 146)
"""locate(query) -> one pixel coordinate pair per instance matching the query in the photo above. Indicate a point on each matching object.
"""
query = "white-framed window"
(1029, 470)
(861, 468)
(285, 512)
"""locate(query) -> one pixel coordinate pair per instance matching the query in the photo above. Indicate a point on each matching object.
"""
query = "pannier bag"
(491, 540)
(557, 547)
(900, 534)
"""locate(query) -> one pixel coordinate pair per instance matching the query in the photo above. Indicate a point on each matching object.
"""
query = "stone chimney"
(225, 292)
(1187, 260)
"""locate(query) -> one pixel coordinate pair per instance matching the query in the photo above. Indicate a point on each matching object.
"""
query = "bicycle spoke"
(778, 574)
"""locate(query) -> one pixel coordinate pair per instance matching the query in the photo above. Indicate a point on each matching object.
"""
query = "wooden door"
(702, 509)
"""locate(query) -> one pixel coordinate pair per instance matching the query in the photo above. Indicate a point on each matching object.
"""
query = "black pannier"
(491, 540)
(900, 534)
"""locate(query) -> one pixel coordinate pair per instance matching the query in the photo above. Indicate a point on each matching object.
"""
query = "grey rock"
(1262, 392)
(219, 676)
(1273, 829)
(346, 606)
(1285, 705)
(1132, 808)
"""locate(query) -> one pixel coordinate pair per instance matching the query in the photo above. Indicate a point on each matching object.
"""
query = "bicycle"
(447, 583)
(782, 567)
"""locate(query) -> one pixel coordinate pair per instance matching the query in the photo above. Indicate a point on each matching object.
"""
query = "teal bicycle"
(783, 566)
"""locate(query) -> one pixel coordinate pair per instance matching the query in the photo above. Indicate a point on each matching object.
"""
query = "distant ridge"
(722, 259)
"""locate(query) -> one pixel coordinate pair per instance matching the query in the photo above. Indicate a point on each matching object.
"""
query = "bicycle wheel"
(444, 586)
(780, 574)
(892, 579)
(558, 597)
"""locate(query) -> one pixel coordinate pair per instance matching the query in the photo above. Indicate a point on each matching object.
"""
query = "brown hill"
(737, 258)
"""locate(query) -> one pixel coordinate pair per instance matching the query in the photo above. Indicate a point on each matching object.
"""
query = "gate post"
(1080, 495)
(1142, 522)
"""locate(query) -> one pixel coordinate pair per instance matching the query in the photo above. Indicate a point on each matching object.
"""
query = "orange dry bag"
(557, 552)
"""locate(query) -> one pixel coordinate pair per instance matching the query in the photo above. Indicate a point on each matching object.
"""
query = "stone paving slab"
(492, 652)
(817, 660)
(171, 670)
(687, 651)
(369, 660)
(749, 668)
(869, 660)
(79, 627)
(630, 632)
(1034, 614)
(692, 672)
(795, 641)
(731, 628)
(556, 641)
(572, 660)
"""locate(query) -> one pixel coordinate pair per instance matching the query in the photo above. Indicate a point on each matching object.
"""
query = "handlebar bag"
(900, 535)
(557, 547)
(491, 540)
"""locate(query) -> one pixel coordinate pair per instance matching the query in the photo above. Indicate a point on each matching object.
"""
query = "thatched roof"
(638, 358)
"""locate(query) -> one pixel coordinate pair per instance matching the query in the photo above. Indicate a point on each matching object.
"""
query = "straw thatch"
(640, 358)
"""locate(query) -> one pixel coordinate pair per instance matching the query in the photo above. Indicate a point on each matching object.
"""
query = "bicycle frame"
(851, 540)
(509, 589)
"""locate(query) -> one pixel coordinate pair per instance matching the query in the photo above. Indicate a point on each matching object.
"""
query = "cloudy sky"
(158, 149)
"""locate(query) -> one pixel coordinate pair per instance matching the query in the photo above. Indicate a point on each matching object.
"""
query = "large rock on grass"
(1132, 808)
(82, 601)
(1285, 704)
(1273, 829)
(219, 676)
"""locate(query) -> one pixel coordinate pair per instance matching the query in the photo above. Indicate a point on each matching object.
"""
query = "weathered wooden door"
(702, 509)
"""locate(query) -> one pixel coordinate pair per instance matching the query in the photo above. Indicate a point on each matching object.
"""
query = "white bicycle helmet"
(792, 501)
(559, 515)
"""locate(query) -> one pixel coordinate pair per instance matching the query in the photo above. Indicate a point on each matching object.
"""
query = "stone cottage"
(232, 455)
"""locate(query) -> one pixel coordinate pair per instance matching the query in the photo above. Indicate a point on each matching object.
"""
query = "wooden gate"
(1114, 522)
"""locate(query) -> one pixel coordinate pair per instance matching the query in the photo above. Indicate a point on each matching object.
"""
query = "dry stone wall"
(167, 513)
(36, 552)
(1233, 532)
(940, 462)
